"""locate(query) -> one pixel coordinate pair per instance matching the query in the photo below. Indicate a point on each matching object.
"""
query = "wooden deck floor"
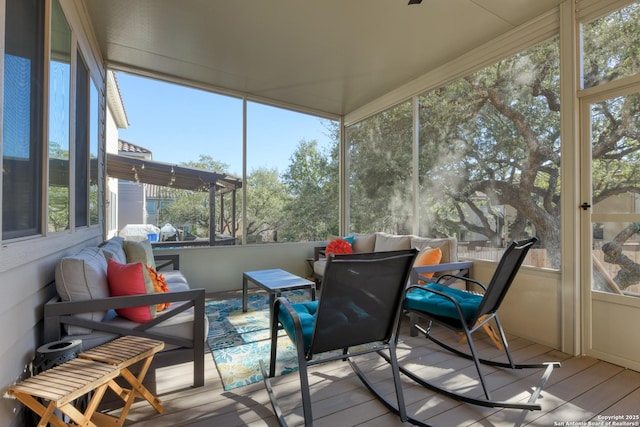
(582, 390)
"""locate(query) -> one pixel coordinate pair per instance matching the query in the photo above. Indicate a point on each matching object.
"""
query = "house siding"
(27, 266)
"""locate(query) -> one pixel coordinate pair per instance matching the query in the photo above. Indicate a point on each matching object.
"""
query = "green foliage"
(190, 208)
(492, 139)
(380, 153)
(58, 187)
(612, 46)
(311, 180)
(207, 162)
(58, 208)
(266, 198)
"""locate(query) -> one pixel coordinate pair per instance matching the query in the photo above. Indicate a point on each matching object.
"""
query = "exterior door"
(611, 225)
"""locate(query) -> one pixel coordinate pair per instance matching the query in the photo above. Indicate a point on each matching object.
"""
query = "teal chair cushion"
(307, 313)
(428, 302)
(346, 314)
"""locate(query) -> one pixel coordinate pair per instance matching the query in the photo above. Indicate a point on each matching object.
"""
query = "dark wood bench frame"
(59, 313)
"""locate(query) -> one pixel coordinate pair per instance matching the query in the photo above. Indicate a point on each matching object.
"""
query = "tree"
(191, 208)
(612, 51)
(312, 184)
(492, 139)
(379, 172)
(611, 47)
(629, 274)
(58, 207)
(266, 198)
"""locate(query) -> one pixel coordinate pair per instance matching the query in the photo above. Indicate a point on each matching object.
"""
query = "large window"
(610, 46)
(94, 146)
(189, 127)
(82, 143)
(289, 168)
(59, 119)
(73, 136)
(611, 53)
(490, 156)
(292, 180)
(488, 160)
(380, 172)
(22, 121)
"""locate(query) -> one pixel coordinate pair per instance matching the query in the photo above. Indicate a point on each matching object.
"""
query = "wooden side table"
(61, 386)
(92, 371)
(121, 353)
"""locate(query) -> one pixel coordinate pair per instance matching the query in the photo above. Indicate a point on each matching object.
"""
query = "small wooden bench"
(122, 353)
(93, 371)
(61, 386)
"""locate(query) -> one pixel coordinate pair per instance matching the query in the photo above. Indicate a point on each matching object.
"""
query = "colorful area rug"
(239, 340)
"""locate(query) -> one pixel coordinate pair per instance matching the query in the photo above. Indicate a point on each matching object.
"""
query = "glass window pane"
(380, 172)
(490, 157)
(610, 46)
(190, 127)
(292, 162)
(59, 119)
(616, 155)
(94, 138)
(292, 176)
(22, 118)
(82, 143)
(616, 256)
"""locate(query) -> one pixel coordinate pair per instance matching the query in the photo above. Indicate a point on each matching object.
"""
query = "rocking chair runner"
(358, 313)
(466, 312)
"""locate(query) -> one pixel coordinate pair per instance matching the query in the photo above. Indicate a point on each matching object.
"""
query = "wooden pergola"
(181, 177)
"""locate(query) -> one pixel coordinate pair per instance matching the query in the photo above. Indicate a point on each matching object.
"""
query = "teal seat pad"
(307, 313)
(343, 315)
(435, 304)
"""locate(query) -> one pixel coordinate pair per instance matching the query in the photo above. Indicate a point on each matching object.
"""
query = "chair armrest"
(166, 260)
(442, 294)
(58, 313)
(461, 267)
(453, 277)
(319, 251)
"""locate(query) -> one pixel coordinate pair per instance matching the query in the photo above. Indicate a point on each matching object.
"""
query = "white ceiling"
(332, 56)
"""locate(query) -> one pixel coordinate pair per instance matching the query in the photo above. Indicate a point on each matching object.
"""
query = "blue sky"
(178, 124)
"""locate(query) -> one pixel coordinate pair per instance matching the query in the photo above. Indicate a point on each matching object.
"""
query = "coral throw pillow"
(130, 279)
(159, 285)
(428, 256)
(338, 247)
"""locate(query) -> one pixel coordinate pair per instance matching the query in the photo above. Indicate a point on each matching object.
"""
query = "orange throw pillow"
(159, 285)
(428, 256)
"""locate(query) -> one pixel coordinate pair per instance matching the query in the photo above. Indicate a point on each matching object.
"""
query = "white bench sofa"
(380, 242)
(84, 309)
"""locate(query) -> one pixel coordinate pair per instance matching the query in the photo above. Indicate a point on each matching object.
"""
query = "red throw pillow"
(428, 256)
(338, 247)
(159, 285)
(129, 279)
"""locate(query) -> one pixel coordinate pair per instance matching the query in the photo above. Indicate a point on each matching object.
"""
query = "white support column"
(570, 314)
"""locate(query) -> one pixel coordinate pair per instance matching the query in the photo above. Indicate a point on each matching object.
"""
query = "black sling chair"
(466, 312)
(360, 303)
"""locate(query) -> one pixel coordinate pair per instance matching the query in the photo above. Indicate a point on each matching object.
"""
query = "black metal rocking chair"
(466, 312)
(358, 313)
